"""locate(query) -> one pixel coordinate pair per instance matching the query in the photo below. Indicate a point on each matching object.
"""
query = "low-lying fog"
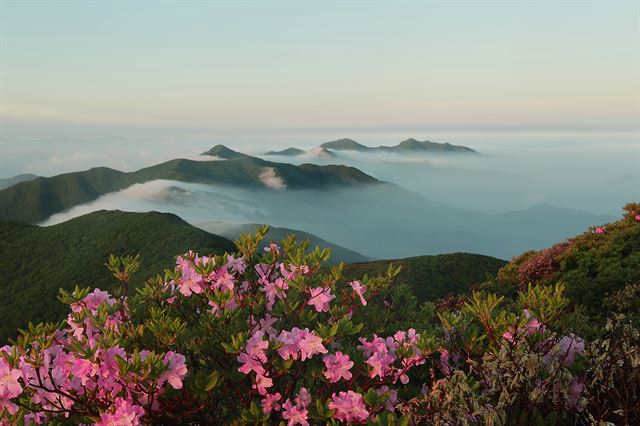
(499, 202)
(596, 172)
(381, 221)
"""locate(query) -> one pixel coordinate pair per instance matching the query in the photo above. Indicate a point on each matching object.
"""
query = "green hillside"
(434, 277)
(601, 271)
(36, 200)
(37, 261)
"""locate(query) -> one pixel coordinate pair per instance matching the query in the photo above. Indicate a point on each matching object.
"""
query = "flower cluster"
(82, 371)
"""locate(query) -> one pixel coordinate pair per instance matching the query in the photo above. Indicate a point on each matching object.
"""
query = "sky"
(195, 69)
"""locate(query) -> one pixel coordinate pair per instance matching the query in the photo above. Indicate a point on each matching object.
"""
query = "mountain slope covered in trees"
(35, 262)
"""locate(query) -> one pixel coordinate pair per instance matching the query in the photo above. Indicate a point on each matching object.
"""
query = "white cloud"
(271, 180)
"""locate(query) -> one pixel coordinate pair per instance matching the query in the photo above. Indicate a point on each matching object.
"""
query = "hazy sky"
(91, 69)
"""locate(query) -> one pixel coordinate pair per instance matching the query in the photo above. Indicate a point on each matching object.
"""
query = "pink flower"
(303, 399)
(254, 354)
(380, 364)
(190, 281)
(360, 290)
(9, 386)
(311, 345)
(297, 342)
(508, 335)
(126, 414)
(338, 366)
(270, 402)
(92, 301)
(349, 407)
(272, 248)
(236, 265)
(294, 414)
(177, 369)
(262, 383)
(600, 230)
(320, 298)
(223, 280)
(637, 217)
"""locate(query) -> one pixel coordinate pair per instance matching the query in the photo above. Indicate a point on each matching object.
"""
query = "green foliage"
(434, 277)
(38, 261)
(595, 268)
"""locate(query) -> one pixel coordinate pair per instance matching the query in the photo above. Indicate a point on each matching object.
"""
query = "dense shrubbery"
(274, 338)
(594, 266)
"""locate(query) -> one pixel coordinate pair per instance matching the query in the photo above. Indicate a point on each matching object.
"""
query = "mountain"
(427, 146)
(36, 200)
(7, 182)
(223, 152)
(345, 145)
(37, 261)
(289, 152)
(434, 277)
(231, 231)
(409, 145)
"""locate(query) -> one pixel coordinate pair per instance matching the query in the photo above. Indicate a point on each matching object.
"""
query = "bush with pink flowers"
(277, 337)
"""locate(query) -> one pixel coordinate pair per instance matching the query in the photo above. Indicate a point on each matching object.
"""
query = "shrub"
(274, 337)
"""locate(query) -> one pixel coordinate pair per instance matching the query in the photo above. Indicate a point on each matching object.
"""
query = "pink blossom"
(270, 402)
(254, 354)
(126, 414)
(190, 281)
(304, 398)
(223, 280)
(338, 366)
(320, 298)
(380, 363)
(637, 217)
(92, 301)
(297, 342)
(294, 414)
(349, 407)
(272, 248)
(359, 290)
(600, 230)
(236, 264)
(262, 383)
(9, 386)
(177, 369)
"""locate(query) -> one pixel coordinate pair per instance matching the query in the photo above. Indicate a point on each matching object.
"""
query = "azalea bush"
(275, 336)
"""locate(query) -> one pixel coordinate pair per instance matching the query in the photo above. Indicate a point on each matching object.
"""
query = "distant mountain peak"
(410, 144)
(344, 144)
(222, 151)
(290, 152)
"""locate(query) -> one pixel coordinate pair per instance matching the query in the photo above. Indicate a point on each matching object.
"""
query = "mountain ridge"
(411, 144)
(36, 200)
